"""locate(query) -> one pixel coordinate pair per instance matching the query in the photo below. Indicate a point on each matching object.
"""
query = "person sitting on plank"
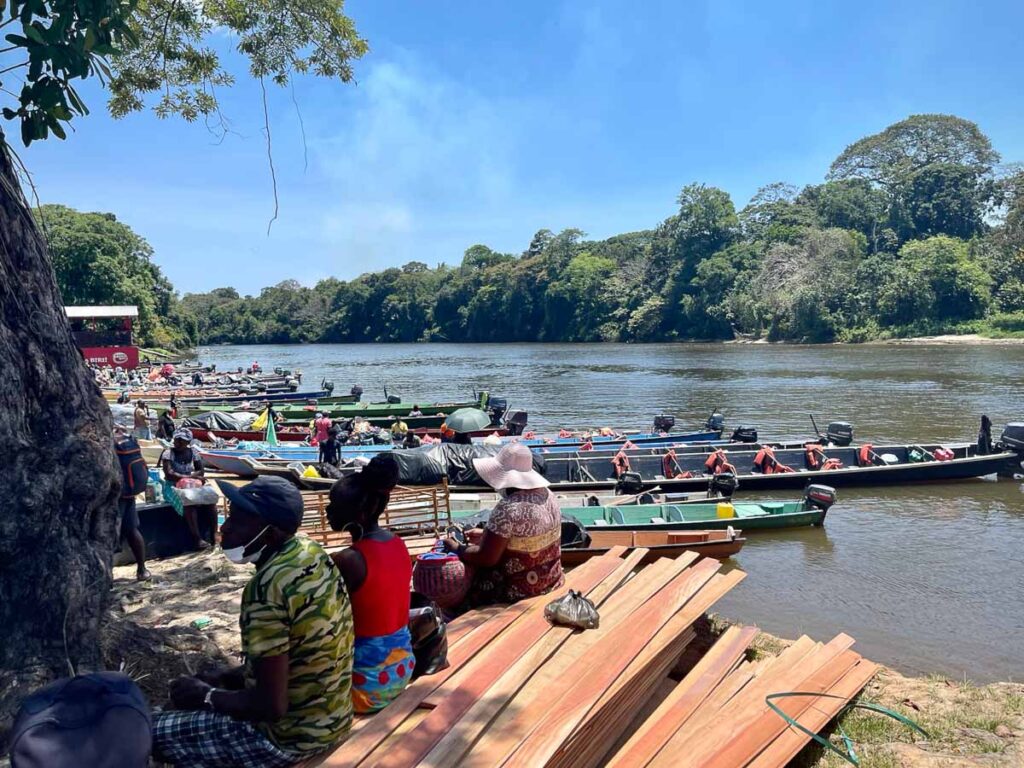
(518, 552)
(292, 698)
(378, 572)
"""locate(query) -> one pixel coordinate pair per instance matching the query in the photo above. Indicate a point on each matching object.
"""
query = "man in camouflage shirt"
(292, 698)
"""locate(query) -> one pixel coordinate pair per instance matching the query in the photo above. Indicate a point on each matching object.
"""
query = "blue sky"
(484, 122)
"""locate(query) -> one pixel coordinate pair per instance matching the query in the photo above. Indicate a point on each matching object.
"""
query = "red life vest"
(864, 455)
(832, 464)
(620, 462)
(815, 456)
(767, 464)
(668, 465)
(587, 446)
(717, 463)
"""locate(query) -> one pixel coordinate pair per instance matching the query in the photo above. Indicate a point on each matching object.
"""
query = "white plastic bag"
(191, 497)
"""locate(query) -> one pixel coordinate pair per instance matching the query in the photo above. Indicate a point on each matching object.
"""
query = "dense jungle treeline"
(915, 230)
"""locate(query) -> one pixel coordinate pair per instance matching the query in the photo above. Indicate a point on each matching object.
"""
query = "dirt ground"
(150, 635)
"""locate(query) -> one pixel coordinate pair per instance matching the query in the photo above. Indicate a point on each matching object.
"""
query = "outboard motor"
(715, 422)
(496, 406)
(1012, 438)
(724, 485)
(394, 399)
(839, 433)
(664, 422)
(516, 421)
(629, 484)
(744, 435)
(820, 496)
(326, 385)
(357, 392)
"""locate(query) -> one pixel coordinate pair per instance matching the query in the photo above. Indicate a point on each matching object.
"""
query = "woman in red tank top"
(378, 573)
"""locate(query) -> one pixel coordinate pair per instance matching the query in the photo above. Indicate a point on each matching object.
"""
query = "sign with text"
(126, 357)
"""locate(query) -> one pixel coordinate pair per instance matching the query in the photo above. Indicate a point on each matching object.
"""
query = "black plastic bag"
(573, 610)
(429, 636)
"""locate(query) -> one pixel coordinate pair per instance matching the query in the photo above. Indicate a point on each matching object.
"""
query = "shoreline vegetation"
(148, 631)
(915, 232)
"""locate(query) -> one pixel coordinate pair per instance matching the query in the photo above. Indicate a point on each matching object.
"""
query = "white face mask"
(237, 554)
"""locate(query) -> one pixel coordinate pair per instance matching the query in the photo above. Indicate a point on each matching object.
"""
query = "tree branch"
(270, 154)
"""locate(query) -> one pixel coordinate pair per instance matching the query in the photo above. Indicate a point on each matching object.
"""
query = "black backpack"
(100, 720)
(134, 471)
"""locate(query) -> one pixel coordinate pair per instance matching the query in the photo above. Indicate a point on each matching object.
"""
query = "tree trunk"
(59, 480)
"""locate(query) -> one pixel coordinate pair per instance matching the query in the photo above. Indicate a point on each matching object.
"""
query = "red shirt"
(381, 604)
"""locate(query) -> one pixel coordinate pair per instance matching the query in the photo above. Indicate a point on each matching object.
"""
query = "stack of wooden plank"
(521, 692)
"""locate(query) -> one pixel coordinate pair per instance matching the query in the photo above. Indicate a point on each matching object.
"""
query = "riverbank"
(149, 632)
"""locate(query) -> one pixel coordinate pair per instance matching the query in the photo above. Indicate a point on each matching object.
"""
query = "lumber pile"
(521, 692)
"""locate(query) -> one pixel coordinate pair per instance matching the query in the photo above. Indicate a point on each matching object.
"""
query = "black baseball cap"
(274, 499)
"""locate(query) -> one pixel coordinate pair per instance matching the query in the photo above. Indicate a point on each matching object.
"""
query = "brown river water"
(927, 578)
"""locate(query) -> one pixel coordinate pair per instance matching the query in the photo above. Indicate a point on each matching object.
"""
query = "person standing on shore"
(142, 430)
(165, 426)
(134, 474)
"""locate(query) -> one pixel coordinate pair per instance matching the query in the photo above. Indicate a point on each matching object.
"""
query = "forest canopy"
(916, 230)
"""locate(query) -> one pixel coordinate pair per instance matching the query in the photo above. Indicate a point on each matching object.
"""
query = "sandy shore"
(965, 338)
(150, 634)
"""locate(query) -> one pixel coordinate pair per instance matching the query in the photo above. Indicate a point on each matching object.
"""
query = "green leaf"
(17, 40)
(90, 38)
(35, 34)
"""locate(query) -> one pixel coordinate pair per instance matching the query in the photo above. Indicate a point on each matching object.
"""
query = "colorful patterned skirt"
(381, 669)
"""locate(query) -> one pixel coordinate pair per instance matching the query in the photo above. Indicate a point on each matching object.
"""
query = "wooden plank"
(684, 699)
(528, 630)
(743, 709)
(653, 661)
(769, 726)
(530, 683)
(618, 648)
(818, 715)
(462, 734)
(355, 749)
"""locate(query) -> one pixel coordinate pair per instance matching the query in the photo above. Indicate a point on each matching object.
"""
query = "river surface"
(928, 578)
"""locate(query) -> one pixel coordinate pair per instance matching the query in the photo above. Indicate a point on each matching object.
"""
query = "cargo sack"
(429, 636)
(573, 610)
(197, 496)
(99, 720)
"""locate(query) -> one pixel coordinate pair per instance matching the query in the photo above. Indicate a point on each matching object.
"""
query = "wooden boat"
(659, 544)
(765, 515)
(368, 410)
(688, 470)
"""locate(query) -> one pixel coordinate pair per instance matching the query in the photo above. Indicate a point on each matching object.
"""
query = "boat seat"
(599, 522)
(658, 520)
(773, 507)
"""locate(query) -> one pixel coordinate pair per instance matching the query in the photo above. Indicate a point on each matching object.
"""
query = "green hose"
(850, 755)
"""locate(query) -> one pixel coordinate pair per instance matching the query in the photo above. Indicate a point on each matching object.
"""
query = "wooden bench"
(419, 515)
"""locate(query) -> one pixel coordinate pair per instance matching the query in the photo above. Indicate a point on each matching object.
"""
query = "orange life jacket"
(628, 445)
(669, 464)
(814, 455)
(620, 462)
(587, 446)
(717, 463)
(832, 464)
(865, 454)
(767, 464)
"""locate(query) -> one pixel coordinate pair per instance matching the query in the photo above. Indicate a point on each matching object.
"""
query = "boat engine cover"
(839, 433)
(664, 422)
(723, 484)
(820, 496)
(715, 422)
(1013, 436)
(744, 435)
(629, 484)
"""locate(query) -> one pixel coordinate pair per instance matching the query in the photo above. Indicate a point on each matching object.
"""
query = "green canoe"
(681, 517)
(367, 410)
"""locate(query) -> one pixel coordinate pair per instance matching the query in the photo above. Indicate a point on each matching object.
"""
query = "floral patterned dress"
(531, 564)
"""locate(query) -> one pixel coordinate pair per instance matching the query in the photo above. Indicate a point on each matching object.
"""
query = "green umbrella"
(271, 436)
(468, 420)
